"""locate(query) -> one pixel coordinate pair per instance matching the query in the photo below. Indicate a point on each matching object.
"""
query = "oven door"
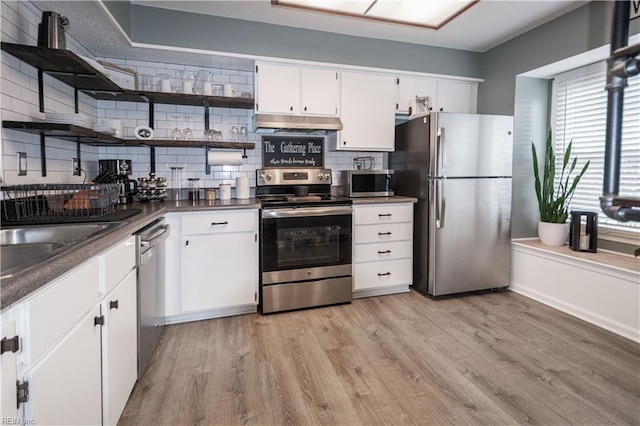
(305, 243)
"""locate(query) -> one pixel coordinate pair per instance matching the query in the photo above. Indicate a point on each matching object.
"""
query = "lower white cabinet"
(212, 264)
(65, 385)
(119, 348)
(77, 361)
(382, 249)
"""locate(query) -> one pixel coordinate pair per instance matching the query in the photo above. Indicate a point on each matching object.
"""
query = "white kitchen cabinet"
(65, 384)
(290, 89)
(8, 367)
(277, 89)
(212, 264)
(410, 87)
(456, 96)
(119, 348)
(382, 248)
(367, 111)
(71, 340)
(319, 91)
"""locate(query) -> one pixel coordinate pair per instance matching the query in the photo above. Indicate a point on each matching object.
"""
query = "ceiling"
(485, 25)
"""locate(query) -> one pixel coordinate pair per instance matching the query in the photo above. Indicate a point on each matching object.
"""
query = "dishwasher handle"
(160, 233)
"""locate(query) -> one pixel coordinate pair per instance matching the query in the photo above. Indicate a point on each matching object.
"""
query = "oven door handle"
(306, 212)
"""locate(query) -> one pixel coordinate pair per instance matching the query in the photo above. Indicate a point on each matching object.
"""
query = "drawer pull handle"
(219, 223)
(384, 252)
(384, 274)
(113, 304)
(384, 233)
(385, 215)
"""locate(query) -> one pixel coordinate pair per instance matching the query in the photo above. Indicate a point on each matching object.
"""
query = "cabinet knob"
(98, 320)
(291, 108)
(305, 108)
(113, 304)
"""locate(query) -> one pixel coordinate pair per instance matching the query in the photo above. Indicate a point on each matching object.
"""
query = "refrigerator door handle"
(440, 202)
(441, 154)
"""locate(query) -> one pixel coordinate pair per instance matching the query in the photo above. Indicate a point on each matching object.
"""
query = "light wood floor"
(496, 358)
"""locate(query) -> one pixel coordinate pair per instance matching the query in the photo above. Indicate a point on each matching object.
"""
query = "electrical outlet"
(75, 166)
(21, 159)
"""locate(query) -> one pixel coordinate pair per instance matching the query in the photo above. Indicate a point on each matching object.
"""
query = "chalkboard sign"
(292, 152)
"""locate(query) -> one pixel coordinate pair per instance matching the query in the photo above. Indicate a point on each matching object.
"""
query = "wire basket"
(57, 202)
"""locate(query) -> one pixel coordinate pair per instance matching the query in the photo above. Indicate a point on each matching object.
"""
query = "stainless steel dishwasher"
(150, 251)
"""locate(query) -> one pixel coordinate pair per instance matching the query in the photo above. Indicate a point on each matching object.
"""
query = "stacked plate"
(74, 119)
(105, 128)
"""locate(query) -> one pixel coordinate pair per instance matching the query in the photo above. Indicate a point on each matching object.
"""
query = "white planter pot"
(553, 234)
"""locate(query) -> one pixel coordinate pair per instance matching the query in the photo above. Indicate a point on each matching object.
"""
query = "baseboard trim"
(210, 314)
(381, 291)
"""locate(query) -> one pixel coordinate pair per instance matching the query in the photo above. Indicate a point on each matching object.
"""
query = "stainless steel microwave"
(367, 183)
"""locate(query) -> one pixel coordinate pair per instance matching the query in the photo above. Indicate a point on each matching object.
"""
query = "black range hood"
(276, 123)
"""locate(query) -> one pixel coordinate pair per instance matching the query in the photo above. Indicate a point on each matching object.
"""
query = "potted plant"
(553, 201)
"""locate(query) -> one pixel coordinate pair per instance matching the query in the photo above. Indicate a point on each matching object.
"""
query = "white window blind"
(579, 113)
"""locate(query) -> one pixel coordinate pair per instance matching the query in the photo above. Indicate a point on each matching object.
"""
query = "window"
(579, 113)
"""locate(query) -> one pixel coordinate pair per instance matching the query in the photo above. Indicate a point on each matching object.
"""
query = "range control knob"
(265, 177)
(320, 176)
(327, 176)
(269, 177)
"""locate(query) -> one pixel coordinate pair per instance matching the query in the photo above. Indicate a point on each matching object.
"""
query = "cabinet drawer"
(118, 262)
(383, 274)
(380, 233)
(220, 221)
(53, 312)
(383, 251)
(383, 213)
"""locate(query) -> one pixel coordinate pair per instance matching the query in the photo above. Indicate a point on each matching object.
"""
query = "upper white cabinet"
(319, 91)
(409, 87)
(446, 95)
(290, 89)
(456, 96)
(367, 111)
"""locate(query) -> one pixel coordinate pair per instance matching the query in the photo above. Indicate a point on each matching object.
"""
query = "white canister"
(243, 188)
(225, 191)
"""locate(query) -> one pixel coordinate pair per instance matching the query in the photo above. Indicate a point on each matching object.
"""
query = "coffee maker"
(120, 170)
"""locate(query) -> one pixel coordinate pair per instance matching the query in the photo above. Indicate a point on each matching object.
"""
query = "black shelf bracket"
(152, 149)
(207, 167)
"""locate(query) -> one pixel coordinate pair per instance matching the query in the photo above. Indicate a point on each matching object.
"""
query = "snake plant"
(553, 201)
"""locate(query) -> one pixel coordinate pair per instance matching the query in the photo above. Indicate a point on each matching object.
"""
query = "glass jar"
(176, 183)
(194, 189)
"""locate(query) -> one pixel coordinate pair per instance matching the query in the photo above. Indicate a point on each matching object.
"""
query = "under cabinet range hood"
(274, 123)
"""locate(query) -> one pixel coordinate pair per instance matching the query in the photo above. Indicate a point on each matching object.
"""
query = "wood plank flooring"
(495, 358)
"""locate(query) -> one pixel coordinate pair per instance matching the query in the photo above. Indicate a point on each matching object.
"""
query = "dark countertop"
(382, 200)
(15, 288)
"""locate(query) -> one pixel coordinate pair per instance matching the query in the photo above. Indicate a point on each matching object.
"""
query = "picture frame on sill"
(126, 78)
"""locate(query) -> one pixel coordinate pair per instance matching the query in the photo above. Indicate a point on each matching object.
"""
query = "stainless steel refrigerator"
(459, 168)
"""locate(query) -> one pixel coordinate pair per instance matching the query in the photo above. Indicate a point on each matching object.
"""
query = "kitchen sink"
(24, 247)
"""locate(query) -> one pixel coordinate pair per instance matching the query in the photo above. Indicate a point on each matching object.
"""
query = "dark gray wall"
(182, 29)
(579, 31)
(121, 10)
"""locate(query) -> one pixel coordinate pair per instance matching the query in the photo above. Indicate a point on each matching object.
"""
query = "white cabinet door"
(119, 348)
(9, 370)
(367, 111)
(277, 89)
(455, 96)
(409, 88)
(320, 91)
(65, 385)
(219, 271)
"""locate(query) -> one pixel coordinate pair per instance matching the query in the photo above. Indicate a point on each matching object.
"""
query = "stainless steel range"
(305, 242)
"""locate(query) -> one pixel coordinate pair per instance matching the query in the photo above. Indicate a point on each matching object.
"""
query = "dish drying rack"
(57, 202)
